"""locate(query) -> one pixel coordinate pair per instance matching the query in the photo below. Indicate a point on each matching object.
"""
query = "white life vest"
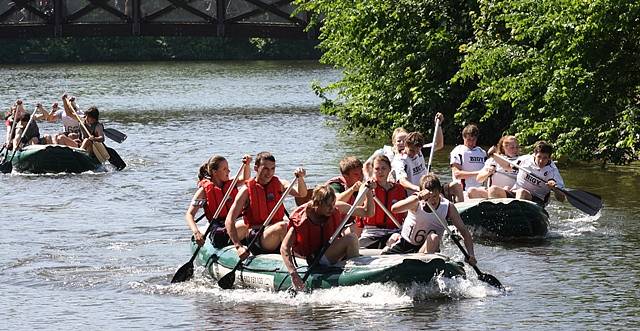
(419, 223)
(534, 185)
(469, 159)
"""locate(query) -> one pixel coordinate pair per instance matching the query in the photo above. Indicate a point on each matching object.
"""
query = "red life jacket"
(262, 199)
(214, 196)
(343, 182)
(388, 198)
(311, 237)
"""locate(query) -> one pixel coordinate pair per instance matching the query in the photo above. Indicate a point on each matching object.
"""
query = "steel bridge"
(223, 18)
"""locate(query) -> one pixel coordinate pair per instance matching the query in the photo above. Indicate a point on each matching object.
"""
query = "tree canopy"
(563, 71)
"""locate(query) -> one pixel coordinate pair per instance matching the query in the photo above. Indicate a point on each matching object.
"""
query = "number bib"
(418, 224)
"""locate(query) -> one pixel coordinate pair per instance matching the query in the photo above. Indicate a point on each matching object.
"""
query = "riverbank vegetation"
(96, 49)
(564, 71)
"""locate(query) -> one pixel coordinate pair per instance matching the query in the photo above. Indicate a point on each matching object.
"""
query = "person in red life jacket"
(313, 223)
(16, 114)
(421, 231)
(255, 202)
(375, 231)
(213, 183)
(350, 180)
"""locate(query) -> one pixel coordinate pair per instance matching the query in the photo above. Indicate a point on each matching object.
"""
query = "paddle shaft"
(267, 221)
(433, 145)
(454, 237)
(97, 150)
(387, 212)
(335, 235)
(13, 126)
(17, 146)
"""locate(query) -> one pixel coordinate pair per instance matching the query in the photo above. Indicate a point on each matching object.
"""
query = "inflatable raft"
(504, 219)
(269, 272)
(40, 159)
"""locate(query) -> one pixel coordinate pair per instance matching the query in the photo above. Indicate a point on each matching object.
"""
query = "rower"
(311, 226)
(255, 202)
(422, 231)
(467, 160)
(532, 188)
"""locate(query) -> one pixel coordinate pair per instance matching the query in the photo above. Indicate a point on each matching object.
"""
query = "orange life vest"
(310, 237)
(262, 199)
(214, 196)
(388, 198)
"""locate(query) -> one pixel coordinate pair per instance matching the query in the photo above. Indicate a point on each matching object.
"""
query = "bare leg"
(64, 140)
(431, 245)
(497, 192)
(87, 145)
(478, 192)
(523, 194)
(343, 247)
(273, 235)
(241, 229)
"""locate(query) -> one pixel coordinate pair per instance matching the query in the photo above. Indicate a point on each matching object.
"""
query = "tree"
(397, 59)
(564, 71)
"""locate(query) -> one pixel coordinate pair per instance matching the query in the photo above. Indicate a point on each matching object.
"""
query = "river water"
(98, 250)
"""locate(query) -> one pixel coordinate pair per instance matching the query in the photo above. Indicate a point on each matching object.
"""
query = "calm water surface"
(98, 250)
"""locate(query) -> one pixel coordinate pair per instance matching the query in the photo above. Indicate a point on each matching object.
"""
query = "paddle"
(115, 135)
(6, 165)
(433, 145)
(99, 150)
(585, 201)
(186, 271)
(387, 212)
(487, 278)
(334, 236)
(13, 126)
(226, 282)
(115, 159)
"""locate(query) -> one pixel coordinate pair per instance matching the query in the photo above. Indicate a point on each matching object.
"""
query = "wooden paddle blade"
(184, 273)
(587, 202)
(491, 280)
(100, 151)
(226, 282)
(115, 135)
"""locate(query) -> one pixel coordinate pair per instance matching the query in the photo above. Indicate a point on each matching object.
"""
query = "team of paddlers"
(403, 201)
(80, 129)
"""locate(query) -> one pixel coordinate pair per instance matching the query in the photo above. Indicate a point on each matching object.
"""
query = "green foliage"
(97, 49)
(397, 59)
(563, 71)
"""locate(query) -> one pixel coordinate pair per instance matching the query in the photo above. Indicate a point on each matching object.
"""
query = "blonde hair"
(323, 195)
(397, 132)
(501, 142)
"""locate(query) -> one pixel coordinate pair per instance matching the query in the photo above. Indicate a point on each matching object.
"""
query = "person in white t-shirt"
(495, 175)
(70, 125)
(397, 141)
(467, 160)
(529, 187)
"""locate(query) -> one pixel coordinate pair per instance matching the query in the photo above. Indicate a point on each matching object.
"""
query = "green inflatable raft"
(41, 159)
(269, 272)
(504, 219)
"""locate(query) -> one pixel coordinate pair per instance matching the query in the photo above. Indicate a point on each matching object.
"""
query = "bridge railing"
(223, 18)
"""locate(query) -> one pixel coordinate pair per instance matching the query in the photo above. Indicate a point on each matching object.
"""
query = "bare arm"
(368, 210)
(246, 172)
(191, 213)
(286, 251)
(455, 218)
(98, 135)
(458, 173)
(406, 204)
(234, 213)
(349, 192)
(485, 173)
(408, 185)
(300, 190)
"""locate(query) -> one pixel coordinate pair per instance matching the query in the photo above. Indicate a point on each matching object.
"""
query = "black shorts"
(219, 236)
(257, 248)
(402, 247)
